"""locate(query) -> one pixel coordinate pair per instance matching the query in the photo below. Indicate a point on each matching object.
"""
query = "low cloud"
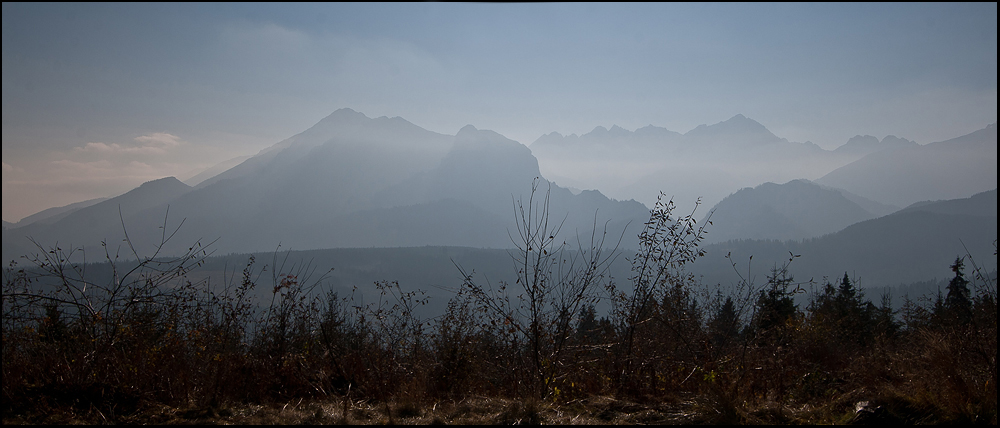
(159, 139)
(99, 169)
(152, 144)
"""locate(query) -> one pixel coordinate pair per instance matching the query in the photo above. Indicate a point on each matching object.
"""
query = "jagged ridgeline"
(428, 313)
(353, 181)
(348, 181)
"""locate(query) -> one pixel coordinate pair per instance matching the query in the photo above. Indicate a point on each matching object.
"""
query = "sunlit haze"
(99, 98)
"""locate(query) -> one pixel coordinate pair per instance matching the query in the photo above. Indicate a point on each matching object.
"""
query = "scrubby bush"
(147, 335)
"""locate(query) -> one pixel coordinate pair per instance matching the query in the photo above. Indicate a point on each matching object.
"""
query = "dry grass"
(598, 410)
(189, 355)
(469, 411)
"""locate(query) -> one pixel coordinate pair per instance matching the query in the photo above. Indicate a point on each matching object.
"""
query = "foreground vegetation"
(151, 346)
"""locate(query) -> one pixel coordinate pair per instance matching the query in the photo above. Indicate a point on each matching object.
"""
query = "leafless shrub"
(659, 313)
(124, 340)
(534, 316)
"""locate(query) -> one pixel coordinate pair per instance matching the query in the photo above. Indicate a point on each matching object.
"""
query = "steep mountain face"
(342, 145)
(905, 175)
(216, 170)
(911, 245)
(349, 181)
(794, 210)
(480, 165)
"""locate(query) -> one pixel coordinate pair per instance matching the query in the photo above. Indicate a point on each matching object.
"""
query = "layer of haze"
(99, 98)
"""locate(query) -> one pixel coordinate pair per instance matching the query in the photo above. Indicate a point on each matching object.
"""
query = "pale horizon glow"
(99, 98)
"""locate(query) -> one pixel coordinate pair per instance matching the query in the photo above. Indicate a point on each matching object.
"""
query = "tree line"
(150, 335)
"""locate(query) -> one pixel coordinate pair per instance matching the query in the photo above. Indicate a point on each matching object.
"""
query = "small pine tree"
(52, 327)
(822, 305)
(885, 318)
(958, 304)
(725, 324)
(847, 294)
(587, 327)
(775, 305)
(939, 312)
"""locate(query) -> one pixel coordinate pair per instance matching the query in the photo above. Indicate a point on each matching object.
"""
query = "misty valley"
(373, 271)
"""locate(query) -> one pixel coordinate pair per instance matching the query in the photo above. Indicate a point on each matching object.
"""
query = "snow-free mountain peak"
(598, 131)
(345, 113)
(651, 131)
(861, 145)
(348, 125)
(795, 210)
(346, 129)
(470, 134)
(749, 130)
(619, 131)
(347, 181)
(940, 170)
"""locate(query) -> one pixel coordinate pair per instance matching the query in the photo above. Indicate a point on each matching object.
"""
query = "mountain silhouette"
(349, 180)
(103, 221)
(861, 145)
(905, 175)
(707, 162)
(911, 245)
(980, 204)
(738, 129)
(52, 215)
(795, 210)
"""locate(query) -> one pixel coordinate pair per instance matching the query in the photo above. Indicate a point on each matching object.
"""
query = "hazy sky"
(98, 98)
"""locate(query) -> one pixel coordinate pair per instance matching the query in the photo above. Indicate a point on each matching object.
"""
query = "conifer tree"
(958, 304)
(775, 305)
(725, 324)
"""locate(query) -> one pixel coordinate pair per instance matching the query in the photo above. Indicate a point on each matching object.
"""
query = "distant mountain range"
(847, 219)
(908, 173)
(53, 215)
(619, 142)
(711, 161)
(861, 145)
(794, 210)
(917, 243)
(354, 181)
(348, 181)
